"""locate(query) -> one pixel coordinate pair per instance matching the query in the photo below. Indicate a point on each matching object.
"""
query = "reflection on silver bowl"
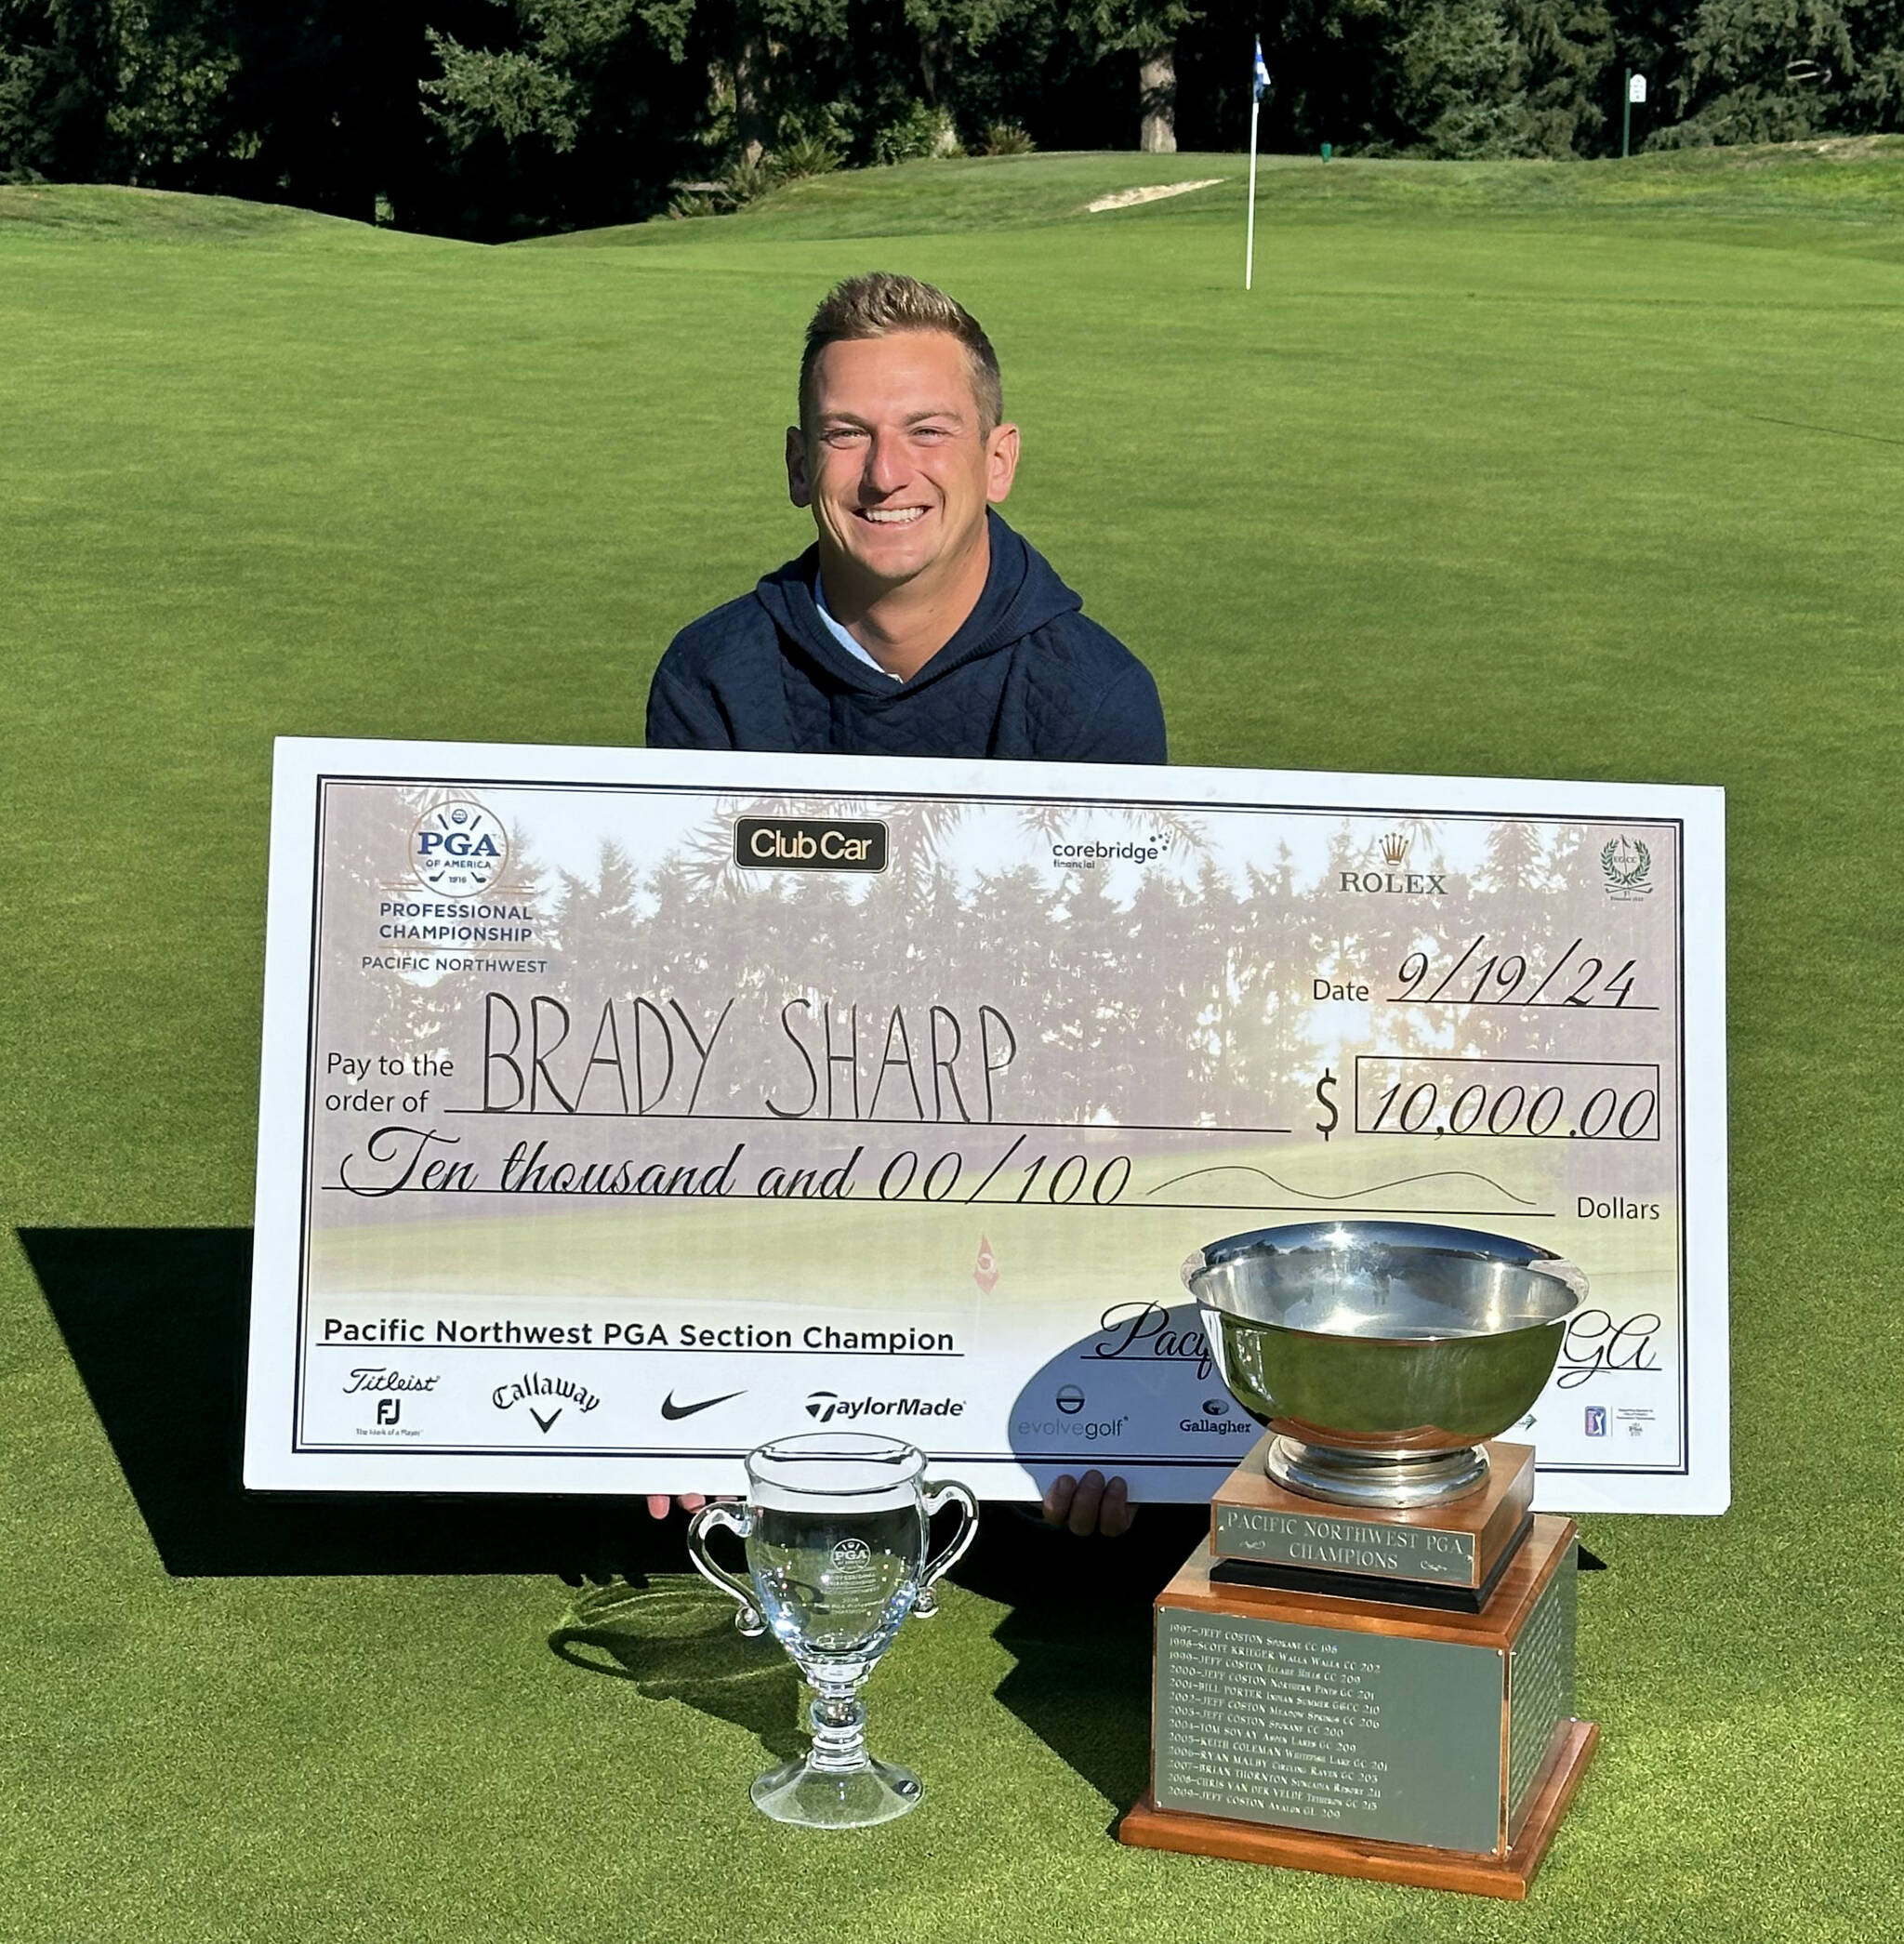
(1382, 1352)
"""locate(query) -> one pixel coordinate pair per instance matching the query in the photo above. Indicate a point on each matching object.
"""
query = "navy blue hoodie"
(1026, 676)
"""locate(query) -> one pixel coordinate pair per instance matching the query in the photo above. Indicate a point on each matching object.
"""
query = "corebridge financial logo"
(809, 844)
(827, 1405)
(1087, 854)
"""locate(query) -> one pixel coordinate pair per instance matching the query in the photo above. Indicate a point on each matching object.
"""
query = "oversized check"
(622, 1109)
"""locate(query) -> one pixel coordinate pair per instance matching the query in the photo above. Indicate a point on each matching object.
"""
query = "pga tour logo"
(1596, 1420)
(458, 850)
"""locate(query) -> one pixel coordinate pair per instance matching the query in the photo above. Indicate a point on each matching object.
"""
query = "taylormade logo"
(828, 1405)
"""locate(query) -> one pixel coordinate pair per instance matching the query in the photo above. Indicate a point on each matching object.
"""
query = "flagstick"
(1250, 247)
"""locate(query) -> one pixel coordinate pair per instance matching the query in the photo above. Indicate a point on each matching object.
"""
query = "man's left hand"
(1090, 1504)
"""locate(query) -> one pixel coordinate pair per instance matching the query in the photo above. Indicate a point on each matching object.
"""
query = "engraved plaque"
(1540, 1686)
(1340, 1542)
(1315, 1727)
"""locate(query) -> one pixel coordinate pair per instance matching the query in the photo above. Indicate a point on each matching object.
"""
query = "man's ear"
(800, 487)
(1001, 462)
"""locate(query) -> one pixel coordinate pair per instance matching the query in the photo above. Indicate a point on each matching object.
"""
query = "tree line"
(493, 118)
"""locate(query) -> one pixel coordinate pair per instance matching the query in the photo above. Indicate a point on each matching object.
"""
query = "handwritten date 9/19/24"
(1484, 975)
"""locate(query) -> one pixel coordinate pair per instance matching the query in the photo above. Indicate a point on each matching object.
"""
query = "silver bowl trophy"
(835, 1530)
(1367, 1668)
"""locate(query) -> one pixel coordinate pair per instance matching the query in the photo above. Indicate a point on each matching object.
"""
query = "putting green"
(1508, 470)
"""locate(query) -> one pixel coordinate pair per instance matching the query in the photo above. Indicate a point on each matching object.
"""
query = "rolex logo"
(1393, 849)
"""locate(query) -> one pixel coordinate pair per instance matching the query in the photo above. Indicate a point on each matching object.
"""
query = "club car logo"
(458, 850)
(1393, 877)
(1627, 866)
(808, 844)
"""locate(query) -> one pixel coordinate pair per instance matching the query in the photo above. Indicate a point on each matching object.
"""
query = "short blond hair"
(879, 305)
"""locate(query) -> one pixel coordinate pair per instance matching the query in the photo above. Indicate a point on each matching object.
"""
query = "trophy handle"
(938, 1496)
(738, 1520)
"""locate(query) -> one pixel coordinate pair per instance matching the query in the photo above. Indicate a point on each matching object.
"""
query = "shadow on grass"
(677, 1643)
(1079, 1629)
(154, 1320)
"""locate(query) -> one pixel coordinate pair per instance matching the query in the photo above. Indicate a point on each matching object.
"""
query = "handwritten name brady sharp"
(824, 1058)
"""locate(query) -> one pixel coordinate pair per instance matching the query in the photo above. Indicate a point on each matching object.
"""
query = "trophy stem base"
(1507, 1875)
(1375, 1481)
(817, 1798)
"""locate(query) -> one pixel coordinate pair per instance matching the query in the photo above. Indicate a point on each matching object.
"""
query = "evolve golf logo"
(828, 1405)
(537, 1391)
(1393, 880)
(1627, 866)
(458, 850)
(809, 844)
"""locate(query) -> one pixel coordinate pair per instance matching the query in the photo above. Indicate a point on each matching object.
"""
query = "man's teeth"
(892, 516)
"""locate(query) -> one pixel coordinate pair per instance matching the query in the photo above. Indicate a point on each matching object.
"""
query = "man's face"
(893, 461)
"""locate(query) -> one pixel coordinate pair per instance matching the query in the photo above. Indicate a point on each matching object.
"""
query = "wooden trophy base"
(1451, 1555)
(1507, 1875)
(1364, 1737)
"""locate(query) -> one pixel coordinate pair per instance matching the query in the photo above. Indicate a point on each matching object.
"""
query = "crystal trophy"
(835, 1525)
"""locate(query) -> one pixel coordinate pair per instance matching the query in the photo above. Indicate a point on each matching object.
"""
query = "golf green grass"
(1509, 469)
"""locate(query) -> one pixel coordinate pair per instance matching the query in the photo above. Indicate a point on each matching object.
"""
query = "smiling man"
(919, 624)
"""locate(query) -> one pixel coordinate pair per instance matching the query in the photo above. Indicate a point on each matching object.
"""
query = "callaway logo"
(671, 1410)
(532, 1384)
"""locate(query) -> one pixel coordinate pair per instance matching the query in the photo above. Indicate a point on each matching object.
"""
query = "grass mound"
(1860, 180)
(97, 211)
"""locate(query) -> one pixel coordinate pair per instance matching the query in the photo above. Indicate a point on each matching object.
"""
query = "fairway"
(1523, 469)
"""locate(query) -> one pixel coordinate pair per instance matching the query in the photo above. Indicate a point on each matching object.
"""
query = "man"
(919, 624)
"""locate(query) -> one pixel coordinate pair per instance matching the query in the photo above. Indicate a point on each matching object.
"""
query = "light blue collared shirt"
(845, 639)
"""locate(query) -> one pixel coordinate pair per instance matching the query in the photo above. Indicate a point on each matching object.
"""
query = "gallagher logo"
(808, 844)
(458, 850)
(1393, 877)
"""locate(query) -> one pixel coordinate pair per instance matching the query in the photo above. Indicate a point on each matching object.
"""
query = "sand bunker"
(1127, 198)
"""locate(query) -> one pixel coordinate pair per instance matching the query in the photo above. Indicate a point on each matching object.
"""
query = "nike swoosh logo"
(549, 1419)
(671, 1410)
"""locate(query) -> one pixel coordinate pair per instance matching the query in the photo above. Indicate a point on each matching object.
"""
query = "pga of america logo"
(458, 850)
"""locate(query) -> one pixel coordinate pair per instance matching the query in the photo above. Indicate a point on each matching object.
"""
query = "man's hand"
(660, 1504)
(1089, 1504)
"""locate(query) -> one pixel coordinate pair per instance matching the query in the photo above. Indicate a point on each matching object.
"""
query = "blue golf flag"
(1259, 78)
